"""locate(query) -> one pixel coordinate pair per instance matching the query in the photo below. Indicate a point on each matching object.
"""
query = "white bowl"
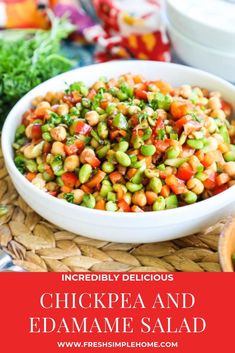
(210, 23)
(202, 57)
(115, 226)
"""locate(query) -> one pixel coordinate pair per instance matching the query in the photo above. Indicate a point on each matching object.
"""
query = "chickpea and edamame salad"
(128, 144)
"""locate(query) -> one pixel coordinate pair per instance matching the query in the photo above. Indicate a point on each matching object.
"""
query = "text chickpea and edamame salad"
(128, 144)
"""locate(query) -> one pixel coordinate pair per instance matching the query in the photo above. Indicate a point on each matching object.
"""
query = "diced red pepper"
(159, 124)
(115, 177)
(91, 93)
(220, 189)
(210, 182)
(124, 205)
(141, 94)
(76, 147)
(162, 145)
(222, 179)
(69, 179)
(182, 121)
(96, 179)
(82, 128)
(93, 161)
(36, 131)
(185, 172)
(176, 185)
(178, 109)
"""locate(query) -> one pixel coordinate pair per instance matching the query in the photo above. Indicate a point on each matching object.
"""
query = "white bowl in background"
(202, 57)
(118, 226)
(210, 23)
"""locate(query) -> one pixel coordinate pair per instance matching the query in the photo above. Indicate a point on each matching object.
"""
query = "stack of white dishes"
(203, 34)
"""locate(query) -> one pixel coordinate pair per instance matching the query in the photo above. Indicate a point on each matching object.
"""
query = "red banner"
(117, 312)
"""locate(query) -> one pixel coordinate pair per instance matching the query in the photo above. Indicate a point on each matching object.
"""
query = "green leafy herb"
(69, 197)
(29, 57)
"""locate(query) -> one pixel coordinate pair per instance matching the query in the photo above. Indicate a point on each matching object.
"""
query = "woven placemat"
(39, 246)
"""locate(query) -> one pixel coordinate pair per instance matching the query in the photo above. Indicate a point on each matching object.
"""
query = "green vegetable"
(107, 167)
(229, 156)
(120, 121)
(20, 163)
(171, 202)
(148, 150)
(89, 200)
(159, 204)
(190, 197)
(155, 184)
(224, 133)
(85, 173)
(69, 196)
(160, 101)
(197, 144)
(123, 158)
(111, 206)
(29, 57)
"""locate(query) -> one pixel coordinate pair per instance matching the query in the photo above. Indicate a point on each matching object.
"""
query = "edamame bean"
(155, 184)
(196, 144)
(85, 173)
(111, 206)
(159, 204)
(171, 202)
(133, 187)
(123, 158)
(189, 197)
(122, 146)
(102, 130)
(173, 152)
(89, 200)
(148, 150)
(107, 167)
(229, 156)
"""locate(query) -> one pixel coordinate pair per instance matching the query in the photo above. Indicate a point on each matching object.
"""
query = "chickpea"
(98, 84)
(78, 195)
(198, 92)
(92, 117)
(149, 111)
(28, 131)
(229, 168)
(139, 198)
(58, 148)
(213, 144)
(185, 91)
(218, 113)
(71, 163)
(51, 186)
(37, 100)
(123, 108)
(58, 133)
(195, 185)
(86, 153)
(33, 151)
(214, 103)
(161, 114)
(44, 104)
(39, 182)
(108, 96)
(63, 109)
(61, 196)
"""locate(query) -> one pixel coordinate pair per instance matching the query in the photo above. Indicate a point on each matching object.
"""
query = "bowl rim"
(216, 201)
(171, 4)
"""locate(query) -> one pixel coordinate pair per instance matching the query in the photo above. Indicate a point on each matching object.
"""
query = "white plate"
(202, 57)
(210, 23)
(118, 226)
